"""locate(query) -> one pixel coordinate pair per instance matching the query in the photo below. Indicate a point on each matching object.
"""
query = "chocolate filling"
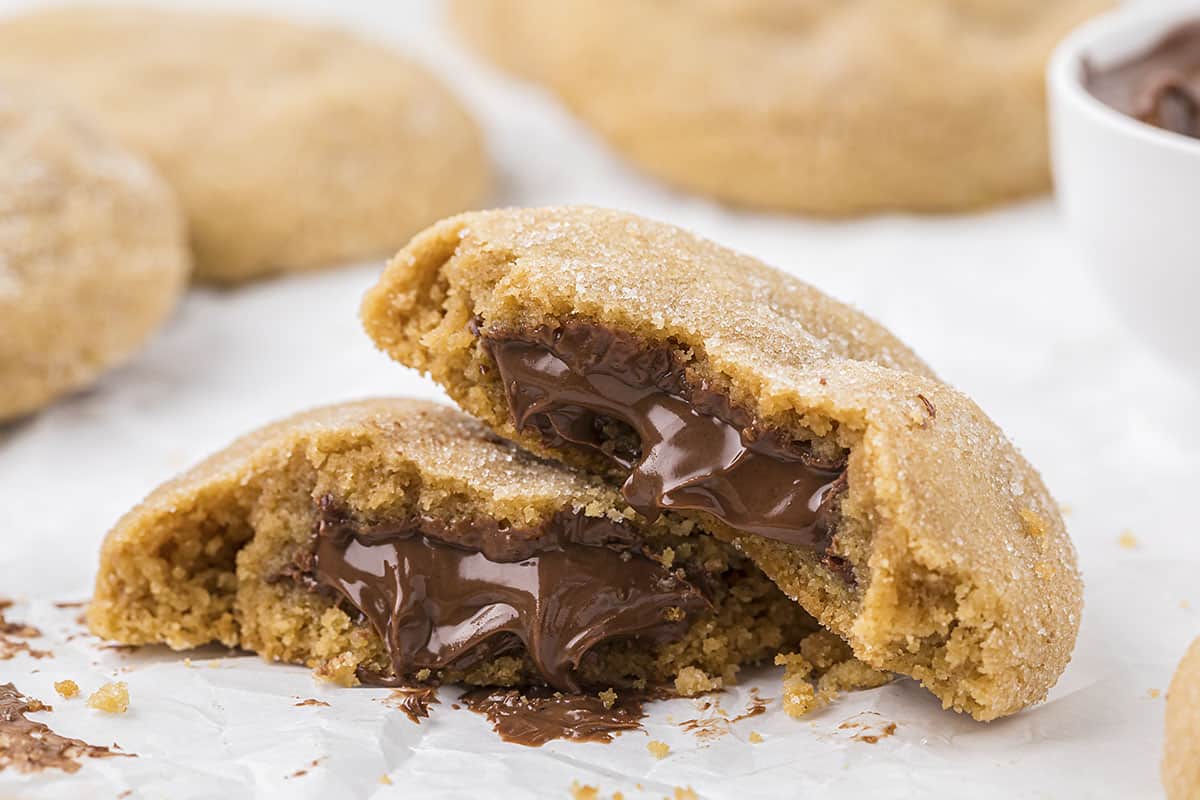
(684, 446)
(454, 596)
(1160, 86)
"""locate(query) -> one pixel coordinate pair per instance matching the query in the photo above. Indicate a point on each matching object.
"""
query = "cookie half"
(291, 147)
(398, 541)
(1181, 750)
(829, 108)
(93, 251)
(714, 387)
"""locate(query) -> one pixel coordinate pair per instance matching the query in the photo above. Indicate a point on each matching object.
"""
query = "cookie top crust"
(93, 251)
(965, 561)
(290, 146)
(831, 108)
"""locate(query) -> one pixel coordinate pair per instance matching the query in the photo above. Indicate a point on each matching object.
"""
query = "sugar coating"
(291, 147)
(93, 251)
(1181, 748)
(965, 576)
(828, 108)
(199, 560)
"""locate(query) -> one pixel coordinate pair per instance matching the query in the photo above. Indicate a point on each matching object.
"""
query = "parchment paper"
(998, 303)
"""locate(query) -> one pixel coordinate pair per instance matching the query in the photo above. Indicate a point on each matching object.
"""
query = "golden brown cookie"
(884, 501)
(1181, 750)
(93, 252)
(398, 541)
(291, 147)
(815, 106)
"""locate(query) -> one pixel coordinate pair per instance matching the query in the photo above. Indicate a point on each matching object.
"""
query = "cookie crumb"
(67, 688)
(385, 780)
(1032, 523)
(688, 793)
(312, 701)
(755, 737)
(581, 791)
(658, 749)
(692, 681)
(1154, 693)
(608, 698)
(1127, 540)
(341, 670)
(112, 698)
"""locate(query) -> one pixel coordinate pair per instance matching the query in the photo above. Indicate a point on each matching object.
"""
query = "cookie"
(818, 107)
(710, 385)
(1181, 752)
(397, 541)
(291, 147)
(93, 252)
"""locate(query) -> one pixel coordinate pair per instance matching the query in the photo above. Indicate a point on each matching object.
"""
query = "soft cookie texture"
(831, 108)
(93, 252)
(290, 147)
(230, 552)
(949, 560)
(1181, 752)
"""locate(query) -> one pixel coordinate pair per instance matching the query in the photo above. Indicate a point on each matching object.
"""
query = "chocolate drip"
(1160, 86)
(534, 718)
(437, 604)
(685, 448)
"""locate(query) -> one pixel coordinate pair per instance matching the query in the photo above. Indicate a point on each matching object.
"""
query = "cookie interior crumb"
(67, 688)
(112, 698)
(658, 749)
(755, 737)
(608, 697)
(824, 668)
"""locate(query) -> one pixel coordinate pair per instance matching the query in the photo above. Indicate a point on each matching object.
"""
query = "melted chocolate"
(1160, 86)
(437, 605)
(685, 447)
(31, 746)
(414, 701)
(534, 718)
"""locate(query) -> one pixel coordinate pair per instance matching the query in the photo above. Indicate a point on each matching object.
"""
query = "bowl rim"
(1065, 71)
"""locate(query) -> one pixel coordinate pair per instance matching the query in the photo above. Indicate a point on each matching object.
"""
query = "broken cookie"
(398, 542)
(717, 390)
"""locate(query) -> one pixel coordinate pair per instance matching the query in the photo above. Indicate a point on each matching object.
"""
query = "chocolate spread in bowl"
(1160, 86)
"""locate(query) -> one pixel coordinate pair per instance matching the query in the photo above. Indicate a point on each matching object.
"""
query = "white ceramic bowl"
(1130, 191)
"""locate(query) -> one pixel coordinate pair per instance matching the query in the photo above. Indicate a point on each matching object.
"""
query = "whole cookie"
(816, 106)
(290, 147)
(1181, 752)
(776, 418)
(93, 252)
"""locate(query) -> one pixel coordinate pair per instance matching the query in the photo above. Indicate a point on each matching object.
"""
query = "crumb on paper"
(692, 681)
(755, 737)
(112, 698)
(580, 791)
(67, 688)
(1185, 605)
(658, 749)
(385, 780)
(608, 698)
(300, 773)
(1154, 693)
(1127, 540)
(685, 793)
(312, 701)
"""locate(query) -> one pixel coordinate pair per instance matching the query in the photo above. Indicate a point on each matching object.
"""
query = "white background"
(998, 303)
